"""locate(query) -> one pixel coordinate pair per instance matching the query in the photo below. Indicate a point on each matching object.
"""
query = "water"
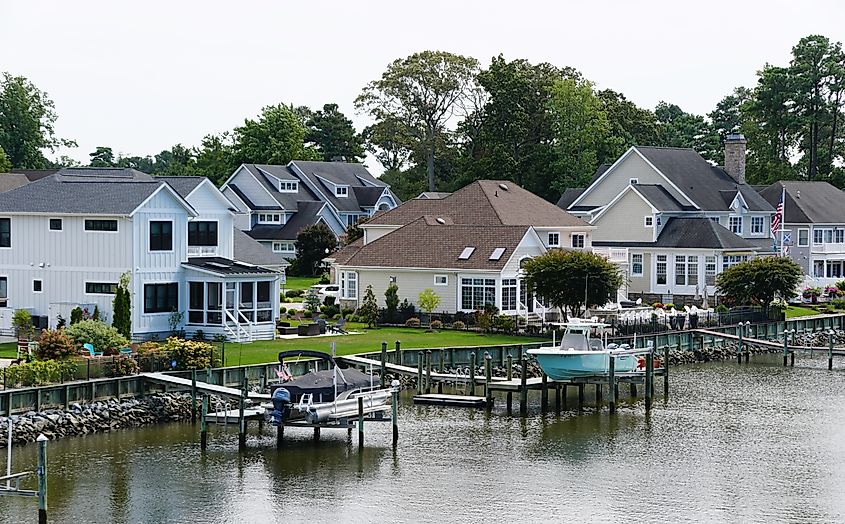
(756, 443)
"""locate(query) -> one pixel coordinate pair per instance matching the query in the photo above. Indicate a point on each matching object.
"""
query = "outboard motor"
(281, 406)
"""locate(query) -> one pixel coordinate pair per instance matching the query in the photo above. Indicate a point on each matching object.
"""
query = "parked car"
(326, 290)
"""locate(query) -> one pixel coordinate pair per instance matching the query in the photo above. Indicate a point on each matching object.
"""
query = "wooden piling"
(580, 396)
(785, 347)
(360, 422)
(241, 419)
(523, 387)
(649, 379)
(471, 388)
(204, 424)
(557, 397)
(419, 372)
(509, 371)
(633, 390)
(544, 392)
(395, 412)
(666, 368)
(317, 433)
(442, 370)
(611, 382)
(488, 378)
(280, 435)
(599, 397)
(193, 395)
(384, 364)
(428, 371)
(398, 353)
(830, 351)
(739, 331)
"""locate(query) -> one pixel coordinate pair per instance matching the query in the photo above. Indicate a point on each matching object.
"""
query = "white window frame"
(4, 300)
(818, 236)
(648, 221)
(582, 236)
(345, 278)
(634, 264)
(512, 287)
(288, 186)
(269, 218)
(341, 191)
(661, 259)
(710, 267)
(280, 244)
(734, 223)
(485, 285)
(556, 236)
(755, 221)
(806, 232)
(445, 279)
(41, 282)
(632, 181)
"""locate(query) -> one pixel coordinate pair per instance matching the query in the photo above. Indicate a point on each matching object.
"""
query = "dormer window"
(341, 191)
(269, 218)
(287, 186)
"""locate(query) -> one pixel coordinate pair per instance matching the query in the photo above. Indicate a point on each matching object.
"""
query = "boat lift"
(10, 490)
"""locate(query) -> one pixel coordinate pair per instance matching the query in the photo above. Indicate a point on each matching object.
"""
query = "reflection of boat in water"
(319, 396)
(581, 355)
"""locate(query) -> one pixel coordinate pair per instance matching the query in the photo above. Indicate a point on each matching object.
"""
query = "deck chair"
(91, 352)
(338, 327)
(126, 351)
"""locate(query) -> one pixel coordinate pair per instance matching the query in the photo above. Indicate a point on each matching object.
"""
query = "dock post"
(666, 369)
(204, 424)
(580, 396)
(360, 422)
(785, 347)
(544, 392)
(193, 395)
(523, 386)
(557, 397)
(488, 377)
(280, 435)
(398, 353)
(317, 433)
(611, 382)
(428, 371)
(472, 373)
(649, 379)
(241, 419)
(420, 356)
(509, 371)
(633, 390)
(830, 349)
(42, 479)
(739, 331)
(452, 357)
(395, 409)
(442, 370)
(599, 392)
(383, 364)
(442, 359)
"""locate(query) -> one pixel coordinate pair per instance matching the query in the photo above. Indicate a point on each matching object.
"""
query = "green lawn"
(9, 350)
(300, 282)
(799, 311)
(370, 340)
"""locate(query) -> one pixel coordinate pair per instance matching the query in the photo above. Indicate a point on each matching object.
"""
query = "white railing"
(615, 255)
(239, 333)
(828, 248)
(202, 251)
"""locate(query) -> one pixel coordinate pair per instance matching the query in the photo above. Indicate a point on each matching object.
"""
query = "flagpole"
(782, 220)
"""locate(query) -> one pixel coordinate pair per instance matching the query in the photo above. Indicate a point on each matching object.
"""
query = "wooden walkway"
(407, 370)
(204, 387)
(768, 343)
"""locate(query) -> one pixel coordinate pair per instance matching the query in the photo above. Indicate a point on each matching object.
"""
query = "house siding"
(252, 188)
(625, 220)
(411, 283)
(633, 166)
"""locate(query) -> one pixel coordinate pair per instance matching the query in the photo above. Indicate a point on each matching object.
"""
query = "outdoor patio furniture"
(308, 330)
(338, 327)
(322, 323)
(91, 352)
(288, 330)
(125, 351)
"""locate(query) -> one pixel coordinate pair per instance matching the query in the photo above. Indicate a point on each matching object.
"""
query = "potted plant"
(812, 293)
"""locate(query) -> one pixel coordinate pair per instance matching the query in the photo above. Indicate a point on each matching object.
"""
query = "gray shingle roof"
(226, 267)
(250, 251)
(340, 173)
(306, 216)
(183, 184)
(235, 189)
(699, 180)
(818, 203)
(694, 233)
(289, 201)
(660, 198)
(569, 196)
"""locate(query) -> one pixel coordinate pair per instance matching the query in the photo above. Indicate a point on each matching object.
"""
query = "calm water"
(755, 443)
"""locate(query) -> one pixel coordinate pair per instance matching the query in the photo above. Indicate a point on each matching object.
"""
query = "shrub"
(199, 336)
(336, 316)
(332, 311)
(75, 315)
(188, 353)
(391, 302)
(96, 314)
(312, 301)
(669, 306)
(123, 367)
(283, 310)
(293, 293)
(838, 303)
(721, 308)
(347, 311)
(307, 313)
(505, 323)
(406, 309)
(122, 307)
(60, 321)
(657, 305)
(104, 338)
(149, 349)
(412, 322)
(329, 301)
(54, 344)
(39, 372)
(324, 279)
(436, 324)
(458, 325)
(22, 321)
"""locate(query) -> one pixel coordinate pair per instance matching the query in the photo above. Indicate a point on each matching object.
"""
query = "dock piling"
(241, 419)
(280, 436)
(830, 349)
(611, 382)
(544, 392)
(509, 371)
(398, 353)
(361, 422)
(557, 397)
(384, 364)
(488, 377)
(785, 346)
(739, 333)
(523, 388)
(649, 379)
(395, 411)
(580, 396)
(599, 397)
(420, 372)
(193, 395)
(666, 368)
(428, 371)
(442, 369)
(471, 384)
(204, 424)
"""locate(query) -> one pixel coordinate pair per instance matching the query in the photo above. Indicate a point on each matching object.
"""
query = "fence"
(704, 319)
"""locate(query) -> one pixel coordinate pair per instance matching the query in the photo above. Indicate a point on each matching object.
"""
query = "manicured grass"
(370, 340)
(8, 350)
(300, 282)
(799, 311)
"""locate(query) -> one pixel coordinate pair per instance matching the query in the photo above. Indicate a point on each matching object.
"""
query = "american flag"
(778, 216)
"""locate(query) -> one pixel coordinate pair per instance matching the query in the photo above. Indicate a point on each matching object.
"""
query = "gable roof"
(183, 185)
(483, 203)
(434, 194)
(569, 196)
(35, 174)
(325, 175)
(250, 251)
(427, 245)
(660, 198)
(9, 181)
(808, 202)
(306, 216)
(695, 233)
(288, 201)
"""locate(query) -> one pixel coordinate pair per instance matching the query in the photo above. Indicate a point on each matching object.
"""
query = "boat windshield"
(578, 339)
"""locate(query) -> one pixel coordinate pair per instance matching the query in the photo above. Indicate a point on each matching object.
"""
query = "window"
(633, 181)
(718, 220)
(834, 269)
(101, 225)
(391, 279)
(508, 294)
(839, 235)
(803, 237)
(288, 187)
(554, 239)
(660, 268)
(710, 271)
(648, 221)
(466, 253)
(202, 233)
(736, 225)
(5, 232)
(284, 247)
(161, 298)
(757, 225)
(341, 191)
(4, 292)
(263, 305)
(101, 288)
(441, 280)
(196, 299)
(349, 285)
(680, 270)
(214, 303)
(732, 260)
(637, 265)
(269, 218)
(36, 286)
(55, 224)
(477, 292)
(818, 236)
(161, 235)
(692, 270)
(578, 240)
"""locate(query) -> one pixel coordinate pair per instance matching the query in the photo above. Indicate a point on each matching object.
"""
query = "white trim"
(446, 283)
(619, 197)
(41, 281)
(172, 237)
(549, 236)
(253, 175)
(798, 237)
(647, 219)
(165, 186)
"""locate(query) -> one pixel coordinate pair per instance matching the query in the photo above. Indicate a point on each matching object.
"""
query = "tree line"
(441, 120)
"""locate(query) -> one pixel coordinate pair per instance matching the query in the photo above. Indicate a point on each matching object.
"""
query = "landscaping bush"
(347, 311)
(199, 336)
(39, 372)
(22, 322)
(669, 306)
(188, 353)
(307, 313)
(504, 323)
(838, 303)
(458, 325)
(76, 315)
(406, 309)
(293, 293)
(436, 324)
(54, 344)
(122, 367)
(329, 301)
(324, 279)
(657, 305)
(412, 322)
(283, 310)
(336, 317)
(104, 338)
(721, 308)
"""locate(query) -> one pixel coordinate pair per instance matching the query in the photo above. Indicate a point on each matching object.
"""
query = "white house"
(66, 239)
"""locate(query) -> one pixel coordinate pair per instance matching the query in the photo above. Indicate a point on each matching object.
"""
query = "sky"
(142, 76)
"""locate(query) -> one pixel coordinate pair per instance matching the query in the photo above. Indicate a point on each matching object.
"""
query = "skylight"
(466, 253)
(497, 253)
(503, 187)
(440, 220)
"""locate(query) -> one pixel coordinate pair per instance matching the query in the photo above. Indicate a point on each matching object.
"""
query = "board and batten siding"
(209, 207)
(254, 190)
(625, 221)
(633, 166)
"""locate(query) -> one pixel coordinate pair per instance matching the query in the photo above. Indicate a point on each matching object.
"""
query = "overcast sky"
(142, 76)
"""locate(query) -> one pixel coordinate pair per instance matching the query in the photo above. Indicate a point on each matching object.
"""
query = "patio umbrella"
(704, 304)
(697, 295)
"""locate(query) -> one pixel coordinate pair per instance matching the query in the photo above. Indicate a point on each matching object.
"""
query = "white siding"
(529, 247)
(411, 283)
(253, 189)
(209, 204)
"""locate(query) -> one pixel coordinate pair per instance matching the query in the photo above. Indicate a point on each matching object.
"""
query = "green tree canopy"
(334, 136)
(564, 278)
(276, 137)
(369, 307)
(759, 281)
(102, 157)
(313, 244)
(5, 164)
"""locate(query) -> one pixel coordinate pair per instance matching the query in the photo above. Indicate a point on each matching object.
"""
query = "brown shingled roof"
(484, 202)
(423, 245)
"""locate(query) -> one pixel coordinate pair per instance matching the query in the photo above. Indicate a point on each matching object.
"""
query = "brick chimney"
(735, 156)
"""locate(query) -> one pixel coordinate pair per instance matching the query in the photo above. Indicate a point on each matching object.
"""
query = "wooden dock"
(460, 401)
(789, 350)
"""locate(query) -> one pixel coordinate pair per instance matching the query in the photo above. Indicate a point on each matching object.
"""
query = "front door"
(230, 298)
(526, 297)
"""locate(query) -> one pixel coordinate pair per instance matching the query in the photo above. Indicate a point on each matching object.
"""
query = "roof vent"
(798, 194)
(466, 253)
(497, 253)
(504, 187)
(440, 220)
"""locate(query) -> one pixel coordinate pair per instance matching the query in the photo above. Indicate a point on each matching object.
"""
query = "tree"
(313, 244)
(277, 137)
(334, 136)
(566, 278)
(760, 280)
(215, 158)
(421, 94)
(5, 164)
(677, 128)
(629, 125)
(27, 117)
(390, 142)
(355, 231)
(428, 301)
(369, 307)
(102, 157)
(391, 302)
(122, 307)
